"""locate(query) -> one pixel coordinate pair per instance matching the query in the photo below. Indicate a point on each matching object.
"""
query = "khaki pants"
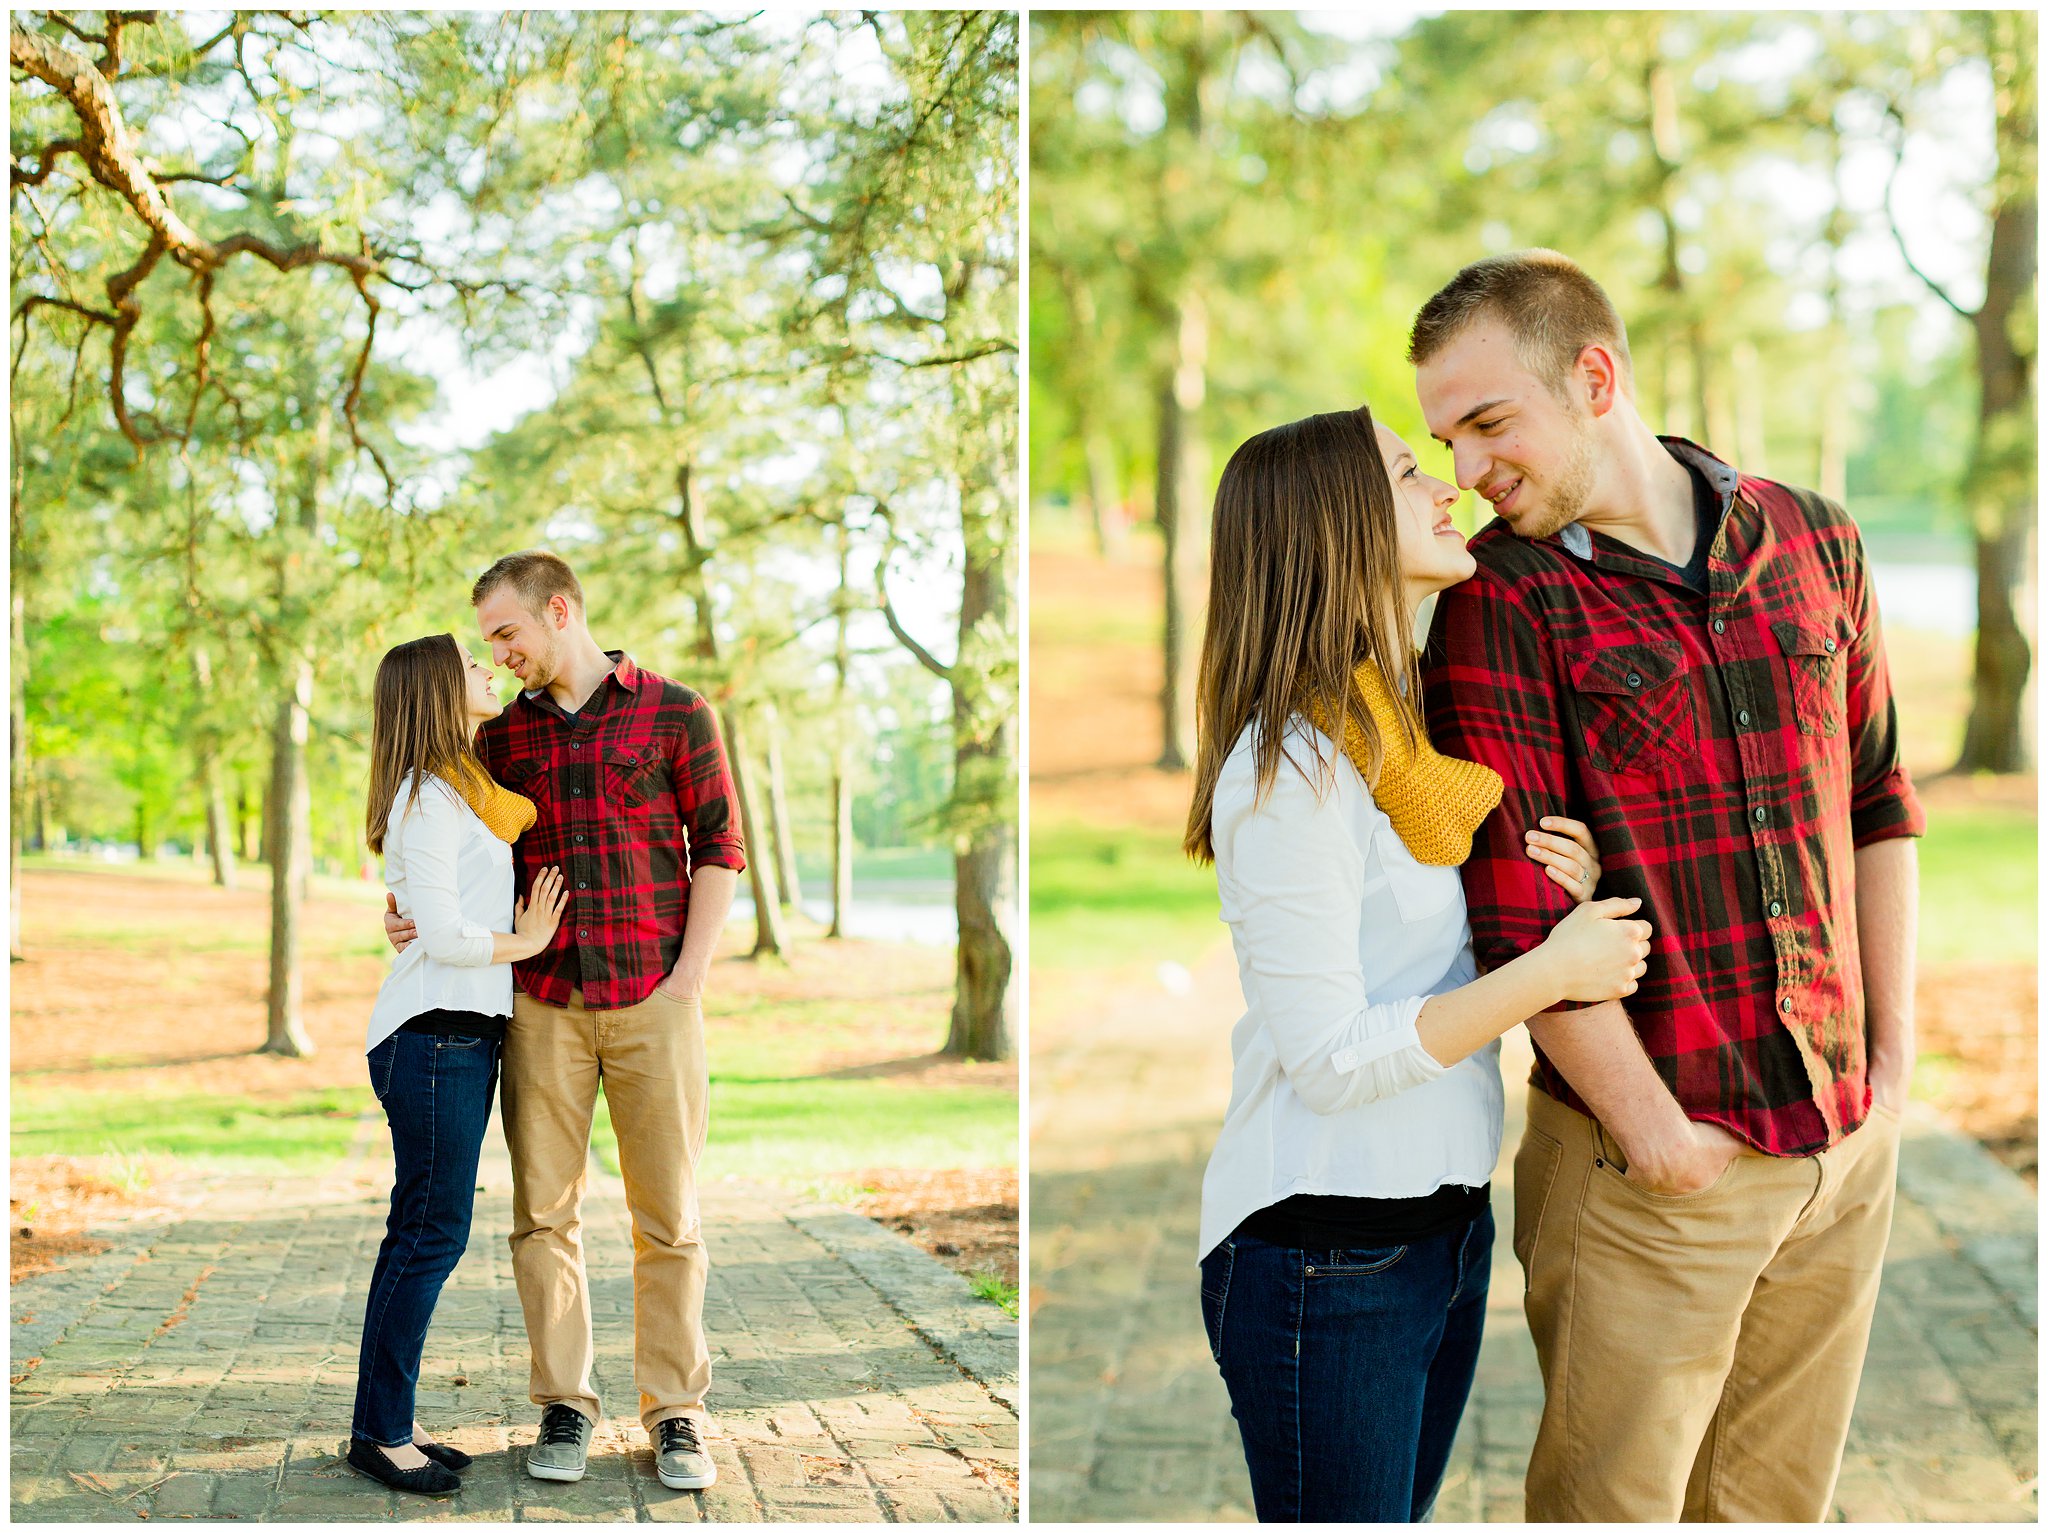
(651, 1058)
(1700, 1354)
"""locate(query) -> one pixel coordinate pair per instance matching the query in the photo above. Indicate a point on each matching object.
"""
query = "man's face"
(1527, 452)
(529, 645)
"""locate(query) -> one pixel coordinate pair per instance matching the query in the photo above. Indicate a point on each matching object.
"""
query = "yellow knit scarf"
(1435, 802)
(507, 815)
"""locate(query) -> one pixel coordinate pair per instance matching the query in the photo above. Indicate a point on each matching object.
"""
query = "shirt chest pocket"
(634, 775)
(1818, 675)
(1419, 891)
(529, 777)
(1635, 707)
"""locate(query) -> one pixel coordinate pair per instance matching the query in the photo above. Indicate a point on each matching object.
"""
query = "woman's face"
(481, 691)
(1432, 550)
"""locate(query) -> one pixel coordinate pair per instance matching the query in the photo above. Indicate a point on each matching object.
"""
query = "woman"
(1345, 1229)
(446, 832)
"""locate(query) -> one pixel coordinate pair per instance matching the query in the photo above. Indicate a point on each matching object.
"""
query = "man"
(636, 805)
(1688, 659)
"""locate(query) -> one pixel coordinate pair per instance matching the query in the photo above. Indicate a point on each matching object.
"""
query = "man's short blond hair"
(536, 575)
(1550, 306)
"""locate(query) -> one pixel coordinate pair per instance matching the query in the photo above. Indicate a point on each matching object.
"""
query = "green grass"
(1978, 895)
(296, 1133)
(1101, 896)
(988, 1286)
(806, 1129)
(1108, 895)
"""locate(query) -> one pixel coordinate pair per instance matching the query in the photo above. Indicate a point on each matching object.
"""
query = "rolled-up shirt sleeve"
(1295, 898)
(429, 850)
(1882, 803)
(706, 798)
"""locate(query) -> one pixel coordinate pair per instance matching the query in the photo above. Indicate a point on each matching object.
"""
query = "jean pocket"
(460, 1041)
(1216, 1268)
(1362, 1261)
(382, 1061)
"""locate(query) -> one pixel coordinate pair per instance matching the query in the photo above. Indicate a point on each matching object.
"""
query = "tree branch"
(1898, 236)
(923, 656)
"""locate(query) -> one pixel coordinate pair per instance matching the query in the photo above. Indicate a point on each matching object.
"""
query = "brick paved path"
(1129, 1421)
(206, 1367)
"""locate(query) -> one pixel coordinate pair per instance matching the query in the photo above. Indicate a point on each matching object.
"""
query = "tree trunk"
(778, 811)
(842, 755)
(247, 850)
(1750, 409)
(1181, 396)
(984, 866)
(842, 843)
(217, 843)
(1105, 499)
(2001, 489)
(17, 696)
(289, 836)
(770, 938)
(17, 757)
(220, 850)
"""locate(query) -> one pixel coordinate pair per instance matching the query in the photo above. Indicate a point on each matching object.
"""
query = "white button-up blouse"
(1340, 935)
(453, 879)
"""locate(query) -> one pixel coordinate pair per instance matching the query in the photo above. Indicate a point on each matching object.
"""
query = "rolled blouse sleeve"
(1294, 895)
(428, 853)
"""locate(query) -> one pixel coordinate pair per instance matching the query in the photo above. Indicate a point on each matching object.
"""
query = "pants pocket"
(1536, 1163)
(382, 1059)
(1216, 1295)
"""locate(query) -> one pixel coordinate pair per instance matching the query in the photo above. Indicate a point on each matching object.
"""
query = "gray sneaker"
(563, 1449)
(679, 1456)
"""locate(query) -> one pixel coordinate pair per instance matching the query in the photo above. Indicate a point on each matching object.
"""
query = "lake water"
(1935, 598)
(876, 920)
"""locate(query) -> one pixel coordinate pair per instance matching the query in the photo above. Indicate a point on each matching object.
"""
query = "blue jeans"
(436, 1094)
(1348, 1370)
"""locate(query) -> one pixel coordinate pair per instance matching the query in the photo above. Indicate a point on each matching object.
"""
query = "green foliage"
(1309, 192)
(987, 1285)
(773, 255)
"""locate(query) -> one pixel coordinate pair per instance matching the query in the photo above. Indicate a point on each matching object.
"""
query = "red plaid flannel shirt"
(633, 794)
(1731, 750)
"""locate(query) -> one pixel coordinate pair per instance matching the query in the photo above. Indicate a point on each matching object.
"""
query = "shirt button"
(1634, 680)
(583, 886)
(1776, 908)
(583, 934)
(1831, 646)
(575, 745)
(1719, 626)
(1742, 718)
(1786, 1005)
(579, 838)
(1762, 815)
(576, 793)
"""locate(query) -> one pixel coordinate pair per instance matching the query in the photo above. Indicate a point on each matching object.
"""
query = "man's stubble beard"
(1573, 487)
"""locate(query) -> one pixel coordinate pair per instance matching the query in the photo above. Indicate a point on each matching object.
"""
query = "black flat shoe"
(427, 1480)
(445, 1456)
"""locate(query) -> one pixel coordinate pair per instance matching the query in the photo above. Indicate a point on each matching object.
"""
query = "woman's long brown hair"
(1304, 583)
(418, 723)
